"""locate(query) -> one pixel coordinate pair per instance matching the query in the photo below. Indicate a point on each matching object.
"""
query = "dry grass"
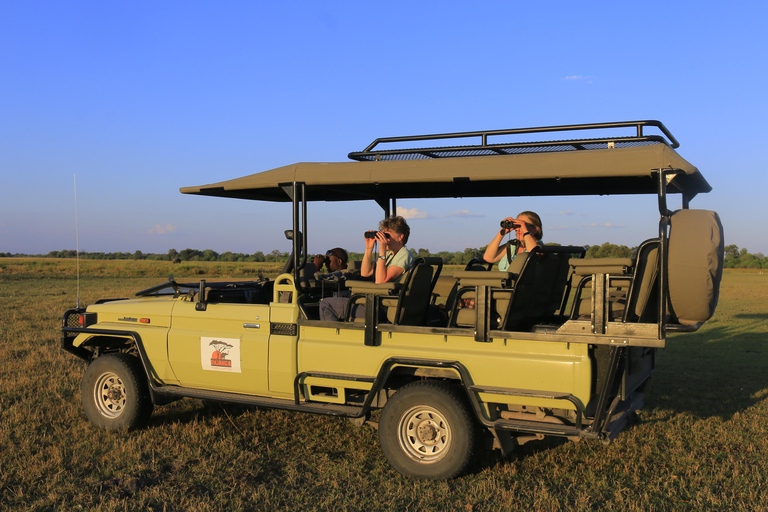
(701, 444)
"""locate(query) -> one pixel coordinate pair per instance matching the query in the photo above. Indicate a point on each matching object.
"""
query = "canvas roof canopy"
(552, 169)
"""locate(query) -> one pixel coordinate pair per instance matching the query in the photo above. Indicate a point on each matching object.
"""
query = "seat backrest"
(444, 289)
(540, 287)
(557, 269)
(643, 299)
(515, 311)
(694, 265)
(307, 275)
(618, 269)
(416, 292)
(478, 264)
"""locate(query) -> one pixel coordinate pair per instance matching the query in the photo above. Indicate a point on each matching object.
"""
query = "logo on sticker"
(222, 354)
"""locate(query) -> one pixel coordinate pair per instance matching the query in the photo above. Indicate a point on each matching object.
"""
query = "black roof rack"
(506, 148)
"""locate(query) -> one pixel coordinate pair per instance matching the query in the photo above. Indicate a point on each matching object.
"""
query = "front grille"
(71, 318)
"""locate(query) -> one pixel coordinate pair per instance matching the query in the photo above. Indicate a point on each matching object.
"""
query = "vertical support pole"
(601, 420)
(599, 303)
(482, 312)
(371, 320)
(664, 221)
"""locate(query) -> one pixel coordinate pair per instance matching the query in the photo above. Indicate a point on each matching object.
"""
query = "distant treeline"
(734, 257)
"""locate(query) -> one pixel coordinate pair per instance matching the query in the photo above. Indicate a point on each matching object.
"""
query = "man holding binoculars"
(334, 259)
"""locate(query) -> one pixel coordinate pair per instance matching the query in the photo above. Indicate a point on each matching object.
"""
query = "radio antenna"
(77, 246)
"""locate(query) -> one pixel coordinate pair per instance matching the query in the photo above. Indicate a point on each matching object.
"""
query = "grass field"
(701, 443)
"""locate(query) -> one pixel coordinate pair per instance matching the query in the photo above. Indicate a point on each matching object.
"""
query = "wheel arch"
(100, 344)
(401, 374)
(396, 373)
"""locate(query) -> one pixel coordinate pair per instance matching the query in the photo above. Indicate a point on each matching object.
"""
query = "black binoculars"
(508, 224)
(372, 234)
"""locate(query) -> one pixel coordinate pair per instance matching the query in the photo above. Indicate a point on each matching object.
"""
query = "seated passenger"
(528, 232)
(334, 260)
(393, 260)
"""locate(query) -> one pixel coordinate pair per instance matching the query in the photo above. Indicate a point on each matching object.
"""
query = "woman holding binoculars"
(528, 232)
(393, 260)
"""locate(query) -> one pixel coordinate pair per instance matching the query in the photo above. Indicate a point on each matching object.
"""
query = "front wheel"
(114, 392)
(427, 431)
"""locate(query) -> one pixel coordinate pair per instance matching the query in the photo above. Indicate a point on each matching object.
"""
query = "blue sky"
(136, 99)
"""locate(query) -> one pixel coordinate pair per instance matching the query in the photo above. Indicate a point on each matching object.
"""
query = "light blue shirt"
(504, 262)
(403, 259)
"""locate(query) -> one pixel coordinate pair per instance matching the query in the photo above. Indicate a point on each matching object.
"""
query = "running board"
(348, 411)
(540, 427)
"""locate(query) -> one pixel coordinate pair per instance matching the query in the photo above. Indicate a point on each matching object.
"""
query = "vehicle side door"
(223, 348)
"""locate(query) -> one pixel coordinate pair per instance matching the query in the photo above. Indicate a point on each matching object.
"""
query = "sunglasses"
(331, 253)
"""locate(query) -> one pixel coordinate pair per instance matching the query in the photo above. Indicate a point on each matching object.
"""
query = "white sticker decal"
(220, 354)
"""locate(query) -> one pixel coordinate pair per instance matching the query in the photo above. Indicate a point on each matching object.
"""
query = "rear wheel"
(427, 431)
(114, 392)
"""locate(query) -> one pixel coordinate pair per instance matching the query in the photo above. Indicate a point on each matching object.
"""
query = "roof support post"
(390, 210)
(297, 192)
(664, 221)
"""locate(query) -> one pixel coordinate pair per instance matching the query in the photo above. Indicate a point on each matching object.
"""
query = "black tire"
(114, 392)
(427, 431)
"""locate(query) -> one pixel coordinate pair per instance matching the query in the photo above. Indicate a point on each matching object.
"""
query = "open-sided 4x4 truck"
(558, 345)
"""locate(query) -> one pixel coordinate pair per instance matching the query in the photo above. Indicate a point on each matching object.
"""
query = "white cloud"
(162, 229)
(463, 213)
(579, 78)
(566, 212)
(411, 213)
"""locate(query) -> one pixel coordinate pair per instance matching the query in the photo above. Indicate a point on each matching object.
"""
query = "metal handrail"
(485, 134)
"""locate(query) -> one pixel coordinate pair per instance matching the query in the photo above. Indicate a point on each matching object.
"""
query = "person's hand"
(525, 227)
(504, 231)
(383, 239)
(318, 261)
(370, 242)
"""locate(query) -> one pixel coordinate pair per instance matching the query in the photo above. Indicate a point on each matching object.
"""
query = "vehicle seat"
(540, 289)
(448, 287)
(619, 271)
(413, 294)
(501, 283)
(416, 293)
(643, 295)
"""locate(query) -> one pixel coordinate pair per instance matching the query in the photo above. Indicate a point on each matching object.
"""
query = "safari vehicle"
(558, 345)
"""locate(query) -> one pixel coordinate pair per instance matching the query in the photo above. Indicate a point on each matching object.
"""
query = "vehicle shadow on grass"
(189, 410)
(719, 372)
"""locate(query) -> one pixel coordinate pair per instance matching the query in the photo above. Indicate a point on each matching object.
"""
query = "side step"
(539, 427)
(348, 411)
